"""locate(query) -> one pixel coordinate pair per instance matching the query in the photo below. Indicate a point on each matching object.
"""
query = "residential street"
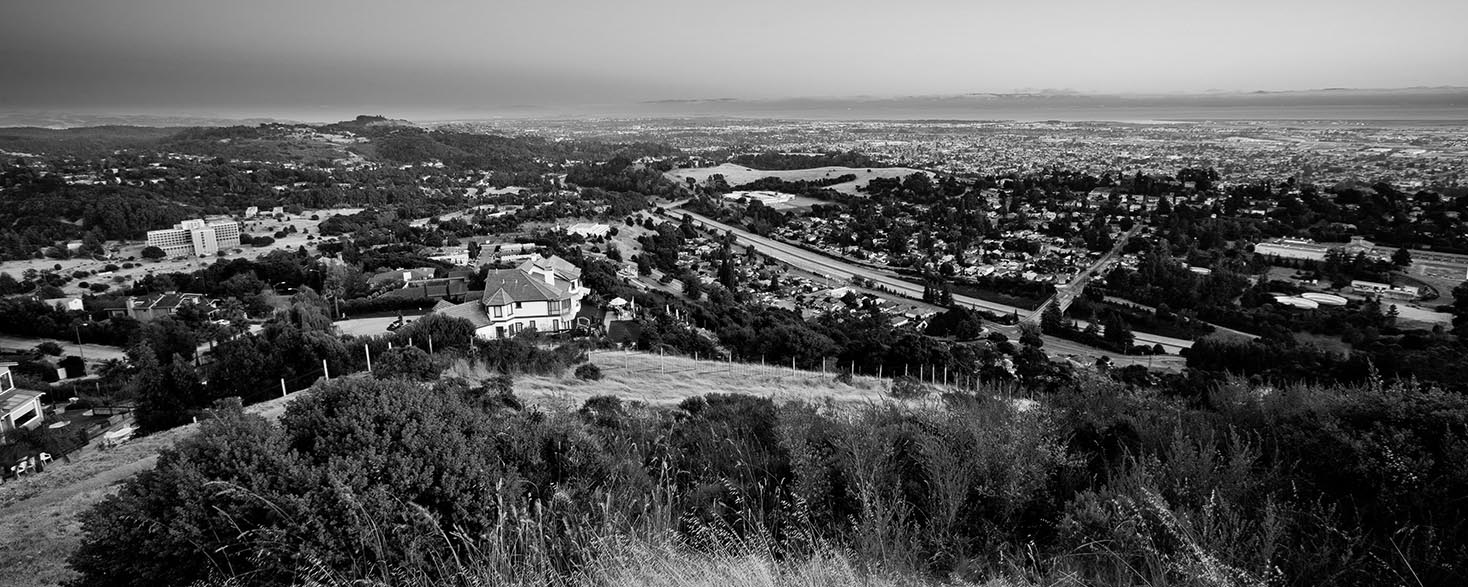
(822, 265)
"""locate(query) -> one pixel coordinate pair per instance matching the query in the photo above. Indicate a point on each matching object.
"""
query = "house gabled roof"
(561, 267)
(17, 398)
(513, 285)
(498, 298)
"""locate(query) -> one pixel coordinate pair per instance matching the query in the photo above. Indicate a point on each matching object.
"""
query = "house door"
(555, 324)
(499, 332)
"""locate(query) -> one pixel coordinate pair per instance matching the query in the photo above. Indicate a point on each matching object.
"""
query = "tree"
(152, 252)
(444, 331)
(166, 393)
(1051, 320)
(1460, 309)
(8, 285)
(958, 322)
(1029, 335)
(308, 311)
(1117, 331)
(169, 338)
(1402, 258)
(692, 286)
(161, 529)
(726, 274)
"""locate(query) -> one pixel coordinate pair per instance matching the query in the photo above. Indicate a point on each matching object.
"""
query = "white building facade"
(542, 294)
(196, 237)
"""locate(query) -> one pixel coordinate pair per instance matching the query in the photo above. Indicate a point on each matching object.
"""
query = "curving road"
(820, 264)
(805, 259)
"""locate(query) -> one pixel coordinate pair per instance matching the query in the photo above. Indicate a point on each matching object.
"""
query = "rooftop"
(16, 398)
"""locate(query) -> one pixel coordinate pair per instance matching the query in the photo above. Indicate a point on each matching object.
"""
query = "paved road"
(1172, 345)
(823, 265)
(1126, 302)
(1067, 293)
(819, 264)
(93, 352)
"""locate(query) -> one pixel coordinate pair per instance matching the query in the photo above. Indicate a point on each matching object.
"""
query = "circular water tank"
(1325, 299)
(1301, 303)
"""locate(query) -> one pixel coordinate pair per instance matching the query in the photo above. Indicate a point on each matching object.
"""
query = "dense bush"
(588, 372)
(410, 363)
(523, 354)
(1098, 484)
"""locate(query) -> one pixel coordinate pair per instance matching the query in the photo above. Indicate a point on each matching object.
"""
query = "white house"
(542, 294)
(19, 408)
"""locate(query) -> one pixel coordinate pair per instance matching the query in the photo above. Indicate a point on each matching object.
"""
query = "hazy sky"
(276, 57)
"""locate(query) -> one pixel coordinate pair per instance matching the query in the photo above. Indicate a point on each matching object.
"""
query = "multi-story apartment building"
(196, 237)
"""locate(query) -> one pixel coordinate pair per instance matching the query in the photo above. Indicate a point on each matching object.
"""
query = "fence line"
(931, 375)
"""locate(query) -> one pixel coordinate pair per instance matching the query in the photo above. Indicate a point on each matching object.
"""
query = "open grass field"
(258, 226)
(648, 378)
(739, 174)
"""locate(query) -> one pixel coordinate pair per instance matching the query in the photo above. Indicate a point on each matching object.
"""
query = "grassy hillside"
(38, 525)
(39, 529)
(732, 475)
(656, 380)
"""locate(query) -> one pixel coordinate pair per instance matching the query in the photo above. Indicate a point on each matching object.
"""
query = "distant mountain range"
(1408, 104)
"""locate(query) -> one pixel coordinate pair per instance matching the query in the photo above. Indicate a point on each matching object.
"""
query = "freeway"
(820, 264)
(814, 262)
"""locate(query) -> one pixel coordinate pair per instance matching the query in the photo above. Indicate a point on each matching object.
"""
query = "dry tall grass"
(666, 380)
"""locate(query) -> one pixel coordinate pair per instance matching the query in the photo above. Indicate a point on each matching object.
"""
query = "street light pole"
(76, 328)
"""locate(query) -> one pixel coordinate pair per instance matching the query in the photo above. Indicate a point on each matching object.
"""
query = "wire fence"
(647, 363)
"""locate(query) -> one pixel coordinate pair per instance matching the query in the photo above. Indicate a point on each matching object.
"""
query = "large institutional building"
(1300, 248)
(1424, 263)
(196, 237)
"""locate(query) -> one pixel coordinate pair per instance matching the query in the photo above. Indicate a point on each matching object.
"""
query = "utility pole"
(79, 349)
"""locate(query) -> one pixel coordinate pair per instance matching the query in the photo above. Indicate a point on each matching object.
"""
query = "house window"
(499, 311)
(565, 305)
(517, 305)
(25, 418)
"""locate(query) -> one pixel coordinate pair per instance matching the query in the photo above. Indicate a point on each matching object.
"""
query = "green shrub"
(907, 388)
(588, 372)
